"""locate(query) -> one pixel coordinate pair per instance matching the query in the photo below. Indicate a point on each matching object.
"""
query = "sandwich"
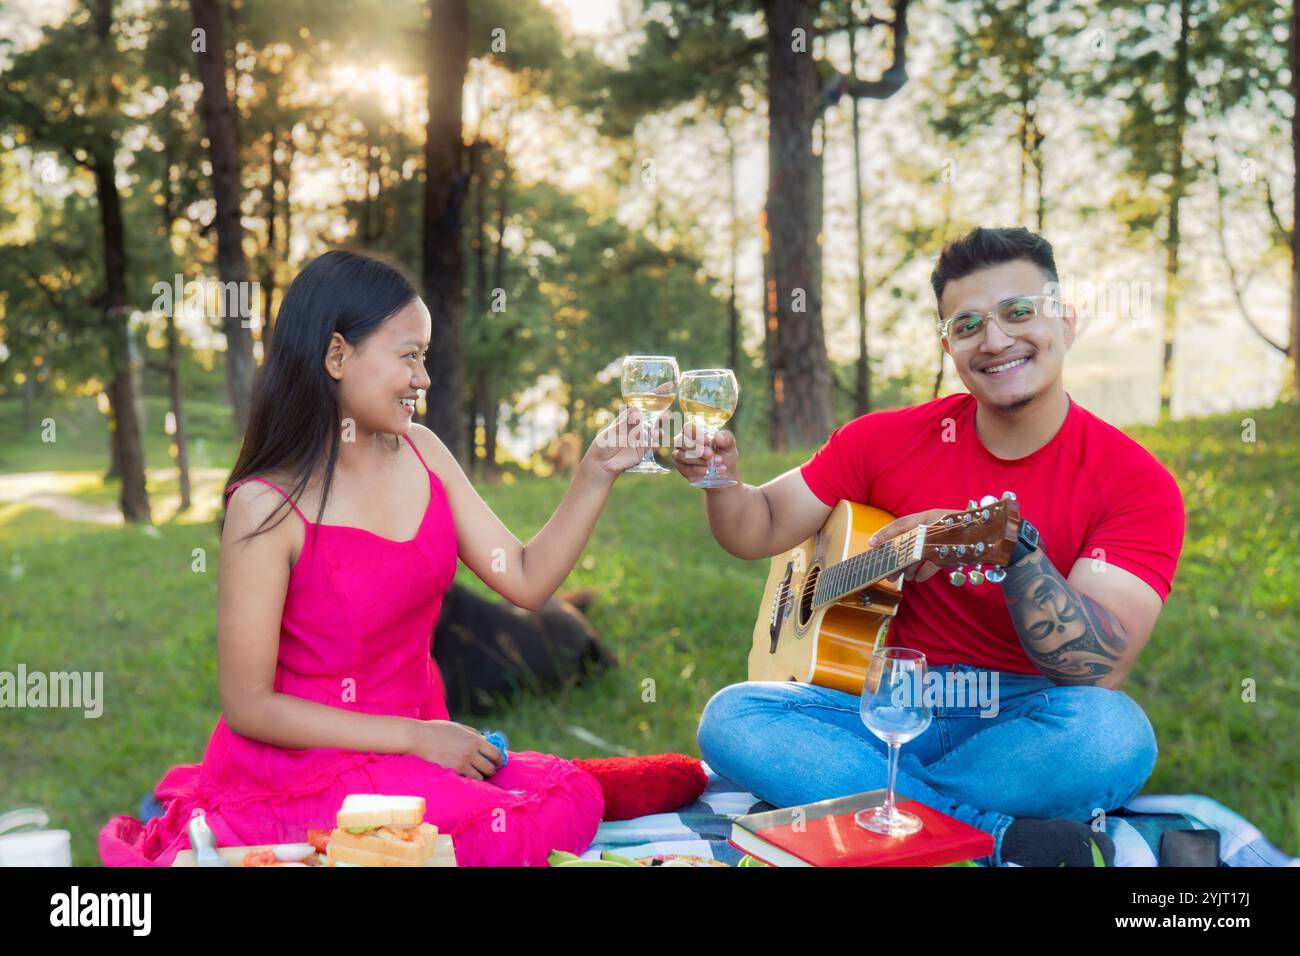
(379, 830)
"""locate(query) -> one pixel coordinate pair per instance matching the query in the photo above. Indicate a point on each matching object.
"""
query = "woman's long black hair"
(295, 419)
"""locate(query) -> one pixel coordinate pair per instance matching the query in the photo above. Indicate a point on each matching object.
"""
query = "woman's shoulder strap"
(417, 453)
(267, 481)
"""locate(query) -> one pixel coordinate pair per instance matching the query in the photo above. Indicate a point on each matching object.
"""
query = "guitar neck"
(840, 580)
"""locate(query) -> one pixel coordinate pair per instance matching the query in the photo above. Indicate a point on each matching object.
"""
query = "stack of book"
(825, 834)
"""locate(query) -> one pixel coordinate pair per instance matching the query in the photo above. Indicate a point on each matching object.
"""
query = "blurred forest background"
(759, 184)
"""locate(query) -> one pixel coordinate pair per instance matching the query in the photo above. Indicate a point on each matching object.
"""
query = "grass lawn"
(671, 603)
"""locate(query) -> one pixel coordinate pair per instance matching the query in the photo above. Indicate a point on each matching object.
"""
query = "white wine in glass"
(649, 385)
(708, 397)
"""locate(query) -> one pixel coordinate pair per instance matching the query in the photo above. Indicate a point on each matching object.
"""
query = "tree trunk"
(817, 183)
(802, 382)
(862, 383)
(775, 434)
(174, 389)
(371, 227)
(733, 312)
(1023, 137)
(178, 412)
(286, 243)
(946, 205)
(269, 255)
(470, 419)
(447, 58)
(232, 268)
(480, 331)
(491, 421)
(29, 400)
(1295, 206)
(1036, 160)
(1176, 189)
(128, 446)
(491, 403)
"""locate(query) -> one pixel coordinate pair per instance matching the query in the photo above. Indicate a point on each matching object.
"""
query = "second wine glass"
(708, 397)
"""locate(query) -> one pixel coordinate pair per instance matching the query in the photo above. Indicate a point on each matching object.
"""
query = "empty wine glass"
(708, 397)
(894, 713)
(649, 385)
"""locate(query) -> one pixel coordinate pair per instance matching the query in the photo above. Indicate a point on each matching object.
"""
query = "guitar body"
(830, 646)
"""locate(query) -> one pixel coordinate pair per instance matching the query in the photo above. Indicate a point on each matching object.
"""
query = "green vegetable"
(615, 858)
(1097, 858)
(565, 858)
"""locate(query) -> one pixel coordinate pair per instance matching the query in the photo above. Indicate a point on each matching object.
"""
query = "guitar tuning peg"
(1008, 496)
(977, 577)
(988, 500)
(995, 575)
(957, 579)
(970, 505)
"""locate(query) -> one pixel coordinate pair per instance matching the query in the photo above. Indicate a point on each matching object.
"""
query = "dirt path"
(55, 491)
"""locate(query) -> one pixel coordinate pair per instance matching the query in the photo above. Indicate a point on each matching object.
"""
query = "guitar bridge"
(780, 605)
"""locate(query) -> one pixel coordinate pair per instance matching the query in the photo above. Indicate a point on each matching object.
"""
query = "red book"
(825, 834)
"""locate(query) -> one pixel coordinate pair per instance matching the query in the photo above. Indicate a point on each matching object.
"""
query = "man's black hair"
(981, 248)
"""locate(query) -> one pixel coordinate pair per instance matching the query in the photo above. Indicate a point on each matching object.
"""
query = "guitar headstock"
(985, 534)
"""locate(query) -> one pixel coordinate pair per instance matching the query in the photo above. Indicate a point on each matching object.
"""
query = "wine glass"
(708, 397)
(894, 713)
(649, 385)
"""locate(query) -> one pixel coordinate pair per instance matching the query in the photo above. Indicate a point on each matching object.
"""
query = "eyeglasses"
(965, 330)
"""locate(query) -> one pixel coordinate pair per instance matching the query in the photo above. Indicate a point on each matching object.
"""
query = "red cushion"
(656, 783)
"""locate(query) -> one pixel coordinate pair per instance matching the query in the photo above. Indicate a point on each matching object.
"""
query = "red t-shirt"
(1091, 491)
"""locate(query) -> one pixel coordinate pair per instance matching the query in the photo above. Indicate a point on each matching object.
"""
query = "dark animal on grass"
(489, 651)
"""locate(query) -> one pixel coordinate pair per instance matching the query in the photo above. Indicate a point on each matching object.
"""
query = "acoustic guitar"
(828, 602)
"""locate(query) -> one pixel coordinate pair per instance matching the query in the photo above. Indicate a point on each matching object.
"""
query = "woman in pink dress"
(323, 627)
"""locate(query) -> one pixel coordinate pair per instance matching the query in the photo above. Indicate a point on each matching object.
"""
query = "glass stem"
(649, 457)
(708, 443)
(890, 810)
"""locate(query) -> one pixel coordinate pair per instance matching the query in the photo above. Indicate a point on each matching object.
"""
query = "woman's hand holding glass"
(649, 385)
(620, 444)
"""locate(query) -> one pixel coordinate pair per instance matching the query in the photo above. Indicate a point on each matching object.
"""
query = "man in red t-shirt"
(1059, 634)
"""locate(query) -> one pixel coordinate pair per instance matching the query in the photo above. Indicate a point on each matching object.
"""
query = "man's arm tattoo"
(1069, 636)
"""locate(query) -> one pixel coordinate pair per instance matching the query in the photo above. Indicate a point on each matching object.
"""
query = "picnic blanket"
(702, 829)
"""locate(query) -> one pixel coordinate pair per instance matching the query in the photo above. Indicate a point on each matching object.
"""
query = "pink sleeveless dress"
(358, 618)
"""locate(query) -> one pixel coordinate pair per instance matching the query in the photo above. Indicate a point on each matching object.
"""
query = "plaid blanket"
(703, 828)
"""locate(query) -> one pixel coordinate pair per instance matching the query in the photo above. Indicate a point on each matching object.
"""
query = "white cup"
(37, 848)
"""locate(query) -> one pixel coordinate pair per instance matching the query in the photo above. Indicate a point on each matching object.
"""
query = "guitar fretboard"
(855, 573)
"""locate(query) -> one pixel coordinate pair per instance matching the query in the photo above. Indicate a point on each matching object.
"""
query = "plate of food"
(371, 830)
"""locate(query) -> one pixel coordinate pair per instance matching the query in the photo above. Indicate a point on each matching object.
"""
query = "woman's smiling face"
(379, 380)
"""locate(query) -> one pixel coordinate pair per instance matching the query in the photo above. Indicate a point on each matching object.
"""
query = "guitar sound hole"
(806, 596)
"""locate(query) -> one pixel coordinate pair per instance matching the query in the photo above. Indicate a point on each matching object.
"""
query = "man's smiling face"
(1002, 371)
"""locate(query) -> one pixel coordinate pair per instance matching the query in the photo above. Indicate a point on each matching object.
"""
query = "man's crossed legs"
(1050, 752)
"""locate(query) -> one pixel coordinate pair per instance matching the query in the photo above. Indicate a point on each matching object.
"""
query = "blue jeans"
(1050, 751)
